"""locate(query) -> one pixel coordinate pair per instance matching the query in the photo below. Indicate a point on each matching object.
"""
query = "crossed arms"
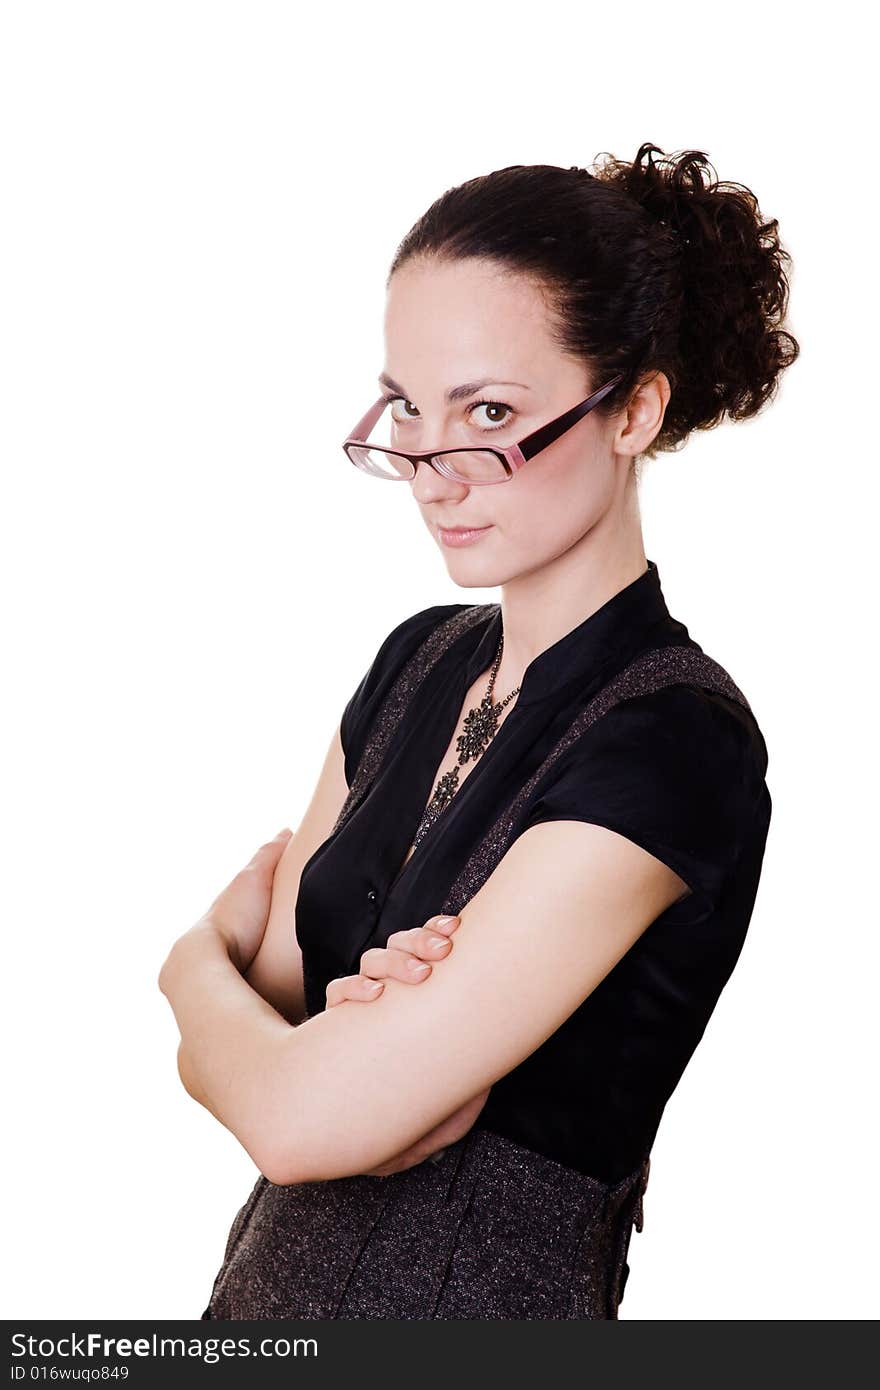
(344, 1091)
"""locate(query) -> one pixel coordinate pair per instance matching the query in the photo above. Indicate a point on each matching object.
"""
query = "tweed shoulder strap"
(652, 670)
(393, 708)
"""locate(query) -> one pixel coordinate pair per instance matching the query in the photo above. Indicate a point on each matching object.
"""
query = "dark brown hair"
(645, 266)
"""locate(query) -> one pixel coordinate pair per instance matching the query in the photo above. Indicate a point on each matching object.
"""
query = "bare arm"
(276, 972)
(351, 1087)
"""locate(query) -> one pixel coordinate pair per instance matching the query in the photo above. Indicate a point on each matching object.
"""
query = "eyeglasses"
(477, 467)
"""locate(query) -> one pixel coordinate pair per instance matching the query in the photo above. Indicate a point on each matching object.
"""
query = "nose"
(430, 486)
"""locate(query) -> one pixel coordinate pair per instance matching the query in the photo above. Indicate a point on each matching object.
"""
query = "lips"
(461, 536)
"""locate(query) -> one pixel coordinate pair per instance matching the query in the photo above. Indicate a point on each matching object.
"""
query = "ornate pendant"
(480, 725)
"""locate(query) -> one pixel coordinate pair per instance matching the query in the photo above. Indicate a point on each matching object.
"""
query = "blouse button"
(372, 895)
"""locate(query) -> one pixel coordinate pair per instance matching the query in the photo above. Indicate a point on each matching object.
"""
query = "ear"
(642, 419)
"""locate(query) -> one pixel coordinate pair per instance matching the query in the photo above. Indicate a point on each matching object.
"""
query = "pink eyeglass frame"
(513, 456)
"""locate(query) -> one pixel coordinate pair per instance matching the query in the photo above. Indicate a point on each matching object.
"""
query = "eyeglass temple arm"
(361, 431)
(532, 444)
(540, 438)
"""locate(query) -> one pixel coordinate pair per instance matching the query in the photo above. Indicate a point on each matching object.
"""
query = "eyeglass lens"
(467, 465)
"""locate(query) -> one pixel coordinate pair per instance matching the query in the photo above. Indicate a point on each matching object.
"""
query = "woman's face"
(447, 324)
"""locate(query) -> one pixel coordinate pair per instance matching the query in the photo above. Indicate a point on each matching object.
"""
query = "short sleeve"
(395, 651)
(679, 771)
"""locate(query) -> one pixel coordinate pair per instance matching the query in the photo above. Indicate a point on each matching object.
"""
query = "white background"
(200, 203)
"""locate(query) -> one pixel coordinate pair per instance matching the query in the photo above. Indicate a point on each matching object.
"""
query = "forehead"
(470, 311)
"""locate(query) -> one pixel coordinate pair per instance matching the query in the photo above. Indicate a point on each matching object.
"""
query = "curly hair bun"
(735, 289)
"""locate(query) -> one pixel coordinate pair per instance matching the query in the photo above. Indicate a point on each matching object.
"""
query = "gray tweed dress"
(491, 1230)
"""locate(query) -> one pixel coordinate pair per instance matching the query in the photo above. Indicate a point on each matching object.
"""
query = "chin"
(471, 575)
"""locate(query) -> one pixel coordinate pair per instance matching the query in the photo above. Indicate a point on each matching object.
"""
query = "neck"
(539, 608)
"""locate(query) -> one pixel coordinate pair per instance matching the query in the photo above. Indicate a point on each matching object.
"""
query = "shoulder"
(394, 651)
(688, 727)
(679, 771)
(407, 635)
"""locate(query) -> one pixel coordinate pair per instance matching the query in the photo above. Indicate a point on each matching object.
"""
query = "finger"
(352, 987)
(383, 963)
(420, 941)
(443, 923)
(273, 848)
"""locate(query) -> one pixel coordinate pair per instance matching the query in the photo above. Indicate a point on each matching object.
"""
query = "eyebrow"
(455, 393)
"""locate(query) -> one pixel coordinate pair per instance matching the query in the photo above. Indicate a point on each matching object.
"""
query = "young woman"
(566, 773)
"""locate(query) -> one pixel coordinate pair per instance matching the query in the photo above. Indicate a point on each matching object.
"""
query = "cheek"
(555, 501)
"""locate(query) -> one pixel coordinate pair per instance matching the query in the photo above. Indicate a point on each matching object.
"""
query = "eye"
(392, 401)
(491, 420)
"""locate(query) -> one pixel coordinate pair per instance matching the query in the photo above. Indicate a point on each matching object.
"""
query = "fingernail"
(444, 922)
(418, 967)
(373, 986)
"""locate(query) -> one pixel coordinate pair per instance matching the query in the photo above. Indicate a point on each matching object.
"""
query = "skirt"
(489, 1230)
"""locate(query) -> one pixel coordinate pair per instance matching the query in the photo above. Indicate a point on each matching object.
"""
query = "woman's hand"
(240, 913)
(409, 956)
(406, 956)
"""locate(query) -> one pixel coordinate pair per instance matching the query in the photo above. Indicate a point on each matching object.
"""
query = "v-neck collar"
(581, 657)
(583, 652)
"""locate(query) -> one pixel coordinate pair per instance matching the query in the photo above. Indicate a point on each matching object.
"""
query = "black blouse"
(679, 771)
